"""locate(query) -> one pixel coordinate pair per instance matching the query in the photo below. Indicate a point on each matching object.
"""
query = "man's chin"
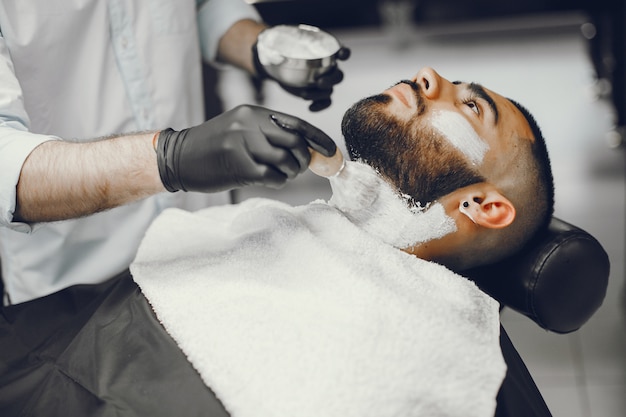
(364, 125)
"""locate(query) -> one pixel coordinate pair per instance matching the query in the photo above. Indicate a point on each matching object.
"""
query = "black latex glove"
(320, 92)
(248, 145)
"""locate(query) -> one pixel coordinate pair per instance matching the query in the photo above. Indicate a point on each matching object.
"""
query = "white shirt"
(83, 69)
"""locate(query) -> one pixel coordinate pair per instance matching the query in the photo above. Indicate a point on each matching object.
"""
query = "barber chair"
(559, 280)
(98, 349)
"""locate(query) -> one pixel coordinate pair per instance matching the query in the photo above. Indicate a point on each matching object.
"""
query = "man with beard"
(479, 154)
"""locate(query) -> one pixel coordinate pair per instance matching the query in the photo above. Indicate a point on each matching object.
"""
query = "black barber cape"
(98, 350)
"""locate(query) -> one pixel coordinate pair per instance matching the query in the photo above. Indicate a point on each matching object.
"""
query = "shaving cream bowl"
(297, 55)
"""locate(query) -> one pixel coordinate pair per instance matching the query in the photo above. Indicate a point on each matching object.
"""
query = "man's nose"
(429, 81)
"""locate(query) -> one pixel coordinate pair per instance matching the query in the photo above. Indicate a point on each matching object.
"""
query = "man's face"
(429, 136)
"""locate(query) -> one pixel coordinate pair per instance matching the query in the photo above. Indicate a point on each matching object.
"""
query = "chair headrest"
(558, 280)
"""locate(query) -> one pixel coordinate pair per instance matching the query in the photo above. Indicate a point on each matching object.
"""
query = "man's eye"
(472, 105)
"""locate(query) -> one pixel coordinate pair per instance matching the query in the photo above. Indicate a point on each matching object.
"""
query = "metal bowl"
(297, 55)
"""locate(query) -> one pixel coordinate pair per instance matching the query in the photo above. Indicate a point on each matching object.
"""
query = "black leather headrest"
(559, 280)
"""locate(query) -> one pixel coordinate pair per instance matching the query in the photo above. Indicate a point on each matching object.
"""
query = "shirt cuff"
(215, 17)
(15, 146)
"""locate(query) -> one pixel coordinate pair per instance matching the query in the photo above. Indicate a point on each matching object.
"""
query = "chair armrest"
(558, 280)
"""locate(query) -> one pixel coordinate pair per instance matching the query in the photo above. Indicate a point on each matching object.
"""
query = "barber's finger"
(318, 105)
(273, 178)
(265, 153)
(258, 173)
(315, 137)
(343, 53)
(265, 175)
(288, 139)
(327, 80)
(309, 93)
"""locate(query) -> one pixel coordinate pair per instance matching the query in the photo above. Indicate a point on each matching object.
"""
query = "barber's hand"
(248, 145)
(320, 92)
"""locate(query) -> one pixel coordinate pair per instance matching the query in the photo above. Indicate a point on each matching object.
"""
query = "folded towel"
(294, 311)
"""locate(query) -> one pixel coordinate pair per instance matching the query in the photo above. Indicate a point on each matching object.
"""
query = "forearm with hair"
(235, 47)
(62, 180)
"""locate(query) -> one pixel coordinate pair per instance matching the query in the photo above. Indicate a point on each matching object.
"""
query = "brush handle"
(326, 166)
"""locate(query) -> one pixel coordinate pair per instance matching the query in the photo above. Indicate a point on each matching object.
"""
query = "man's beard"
(419, 161)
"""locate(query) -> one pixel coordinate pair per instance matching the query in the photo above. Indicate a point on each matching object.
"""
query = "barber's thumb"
(314, 136)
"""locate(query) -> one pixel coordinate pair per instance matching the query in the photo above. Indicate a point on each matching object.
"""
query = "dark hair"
(542, 163)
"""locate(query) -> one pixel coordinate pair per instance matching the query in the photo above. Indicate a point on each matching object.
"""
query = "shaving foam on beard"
(370, 202)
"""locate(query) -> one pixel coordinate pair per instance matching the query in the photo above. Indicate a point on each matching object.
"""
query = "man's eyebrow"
(479, 91)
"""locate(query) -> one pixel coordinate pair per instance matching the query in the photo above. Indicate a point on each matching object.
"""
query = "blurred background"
(564, 60)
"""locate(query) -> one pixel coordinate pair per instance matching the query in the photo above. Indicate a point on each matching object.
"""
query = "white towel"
(293, 311)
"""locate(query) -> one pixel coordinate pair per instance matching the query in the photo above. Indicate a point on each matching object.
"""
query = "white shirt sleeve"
(215, 17)
(16, 142)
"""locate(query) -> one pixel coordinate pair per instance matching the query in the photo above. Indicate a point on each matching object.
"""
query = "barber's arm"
(235, 47)
(62, 180)
(248, 145)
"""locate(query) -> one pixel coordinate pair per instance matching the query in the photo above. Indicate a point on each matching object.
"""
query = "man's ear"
(486, 206)
(496, 211)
